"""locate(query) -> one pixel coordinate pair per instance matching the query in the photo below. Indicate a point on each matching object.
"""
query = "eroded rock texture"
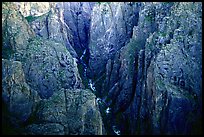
(42, 89)
(19, 100)
(77, 15)
(72, 112)
(110, 30)
(14, 39)
(92, 68)
(150, 85)
(49, 66)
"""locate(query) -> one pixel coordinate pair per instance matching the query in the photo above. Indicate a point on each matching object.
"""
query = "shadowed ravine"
(105, 111)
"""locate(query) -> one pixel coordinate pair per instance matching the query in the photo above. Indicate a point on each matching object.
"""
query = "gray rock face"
(128, 64)
(111, 28)
(64, 22)
(19, 98)
(77, 15)
(65, 112)
(49, 66)
(73, 112)
(142, 60)
(51, 25)
(42, 91)
(15, 31)
(150, 85)
(46, 129)
(175, 79)
(33, 8)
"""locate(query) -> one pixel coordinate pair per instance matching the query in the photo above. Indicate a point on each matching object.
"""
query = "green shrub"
(149, 18)
(30, 18)
(7, 52)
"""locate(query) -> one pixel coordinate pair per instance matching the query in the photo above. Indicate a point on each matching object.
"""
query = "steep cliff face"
(178, 87)
(67, 22)
(47, 21)
(19, 100)
(67, 112)
(14, 39)
(111, 27)
(77, 15)
(150, 86)
(49, 67)
(34, 8)
(42, 87)
(142, 60)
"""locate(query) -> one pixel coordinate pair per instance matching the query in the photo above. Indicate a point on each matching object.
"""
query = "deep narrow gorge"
(102, 68)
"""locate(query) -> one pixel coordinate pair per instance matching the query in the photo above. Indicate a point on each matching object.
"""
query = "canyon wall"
(121, 68)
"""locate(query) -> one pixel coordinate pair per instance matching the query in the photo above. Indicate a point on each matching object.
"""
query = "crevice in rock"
(47, 25)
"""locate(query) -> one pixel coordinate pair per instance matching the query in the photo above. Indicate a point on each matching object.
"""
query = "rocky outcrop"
(111, 28)
(68, 112)
(50, 25)
(77, 15)
(127, 64)
(42, 89)
(48, 66)
(142, 60)
(16, 31)
(68, 23)
(19, 100)
(178, 88)
(145, 88)
(65, 112)
(33, 8)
